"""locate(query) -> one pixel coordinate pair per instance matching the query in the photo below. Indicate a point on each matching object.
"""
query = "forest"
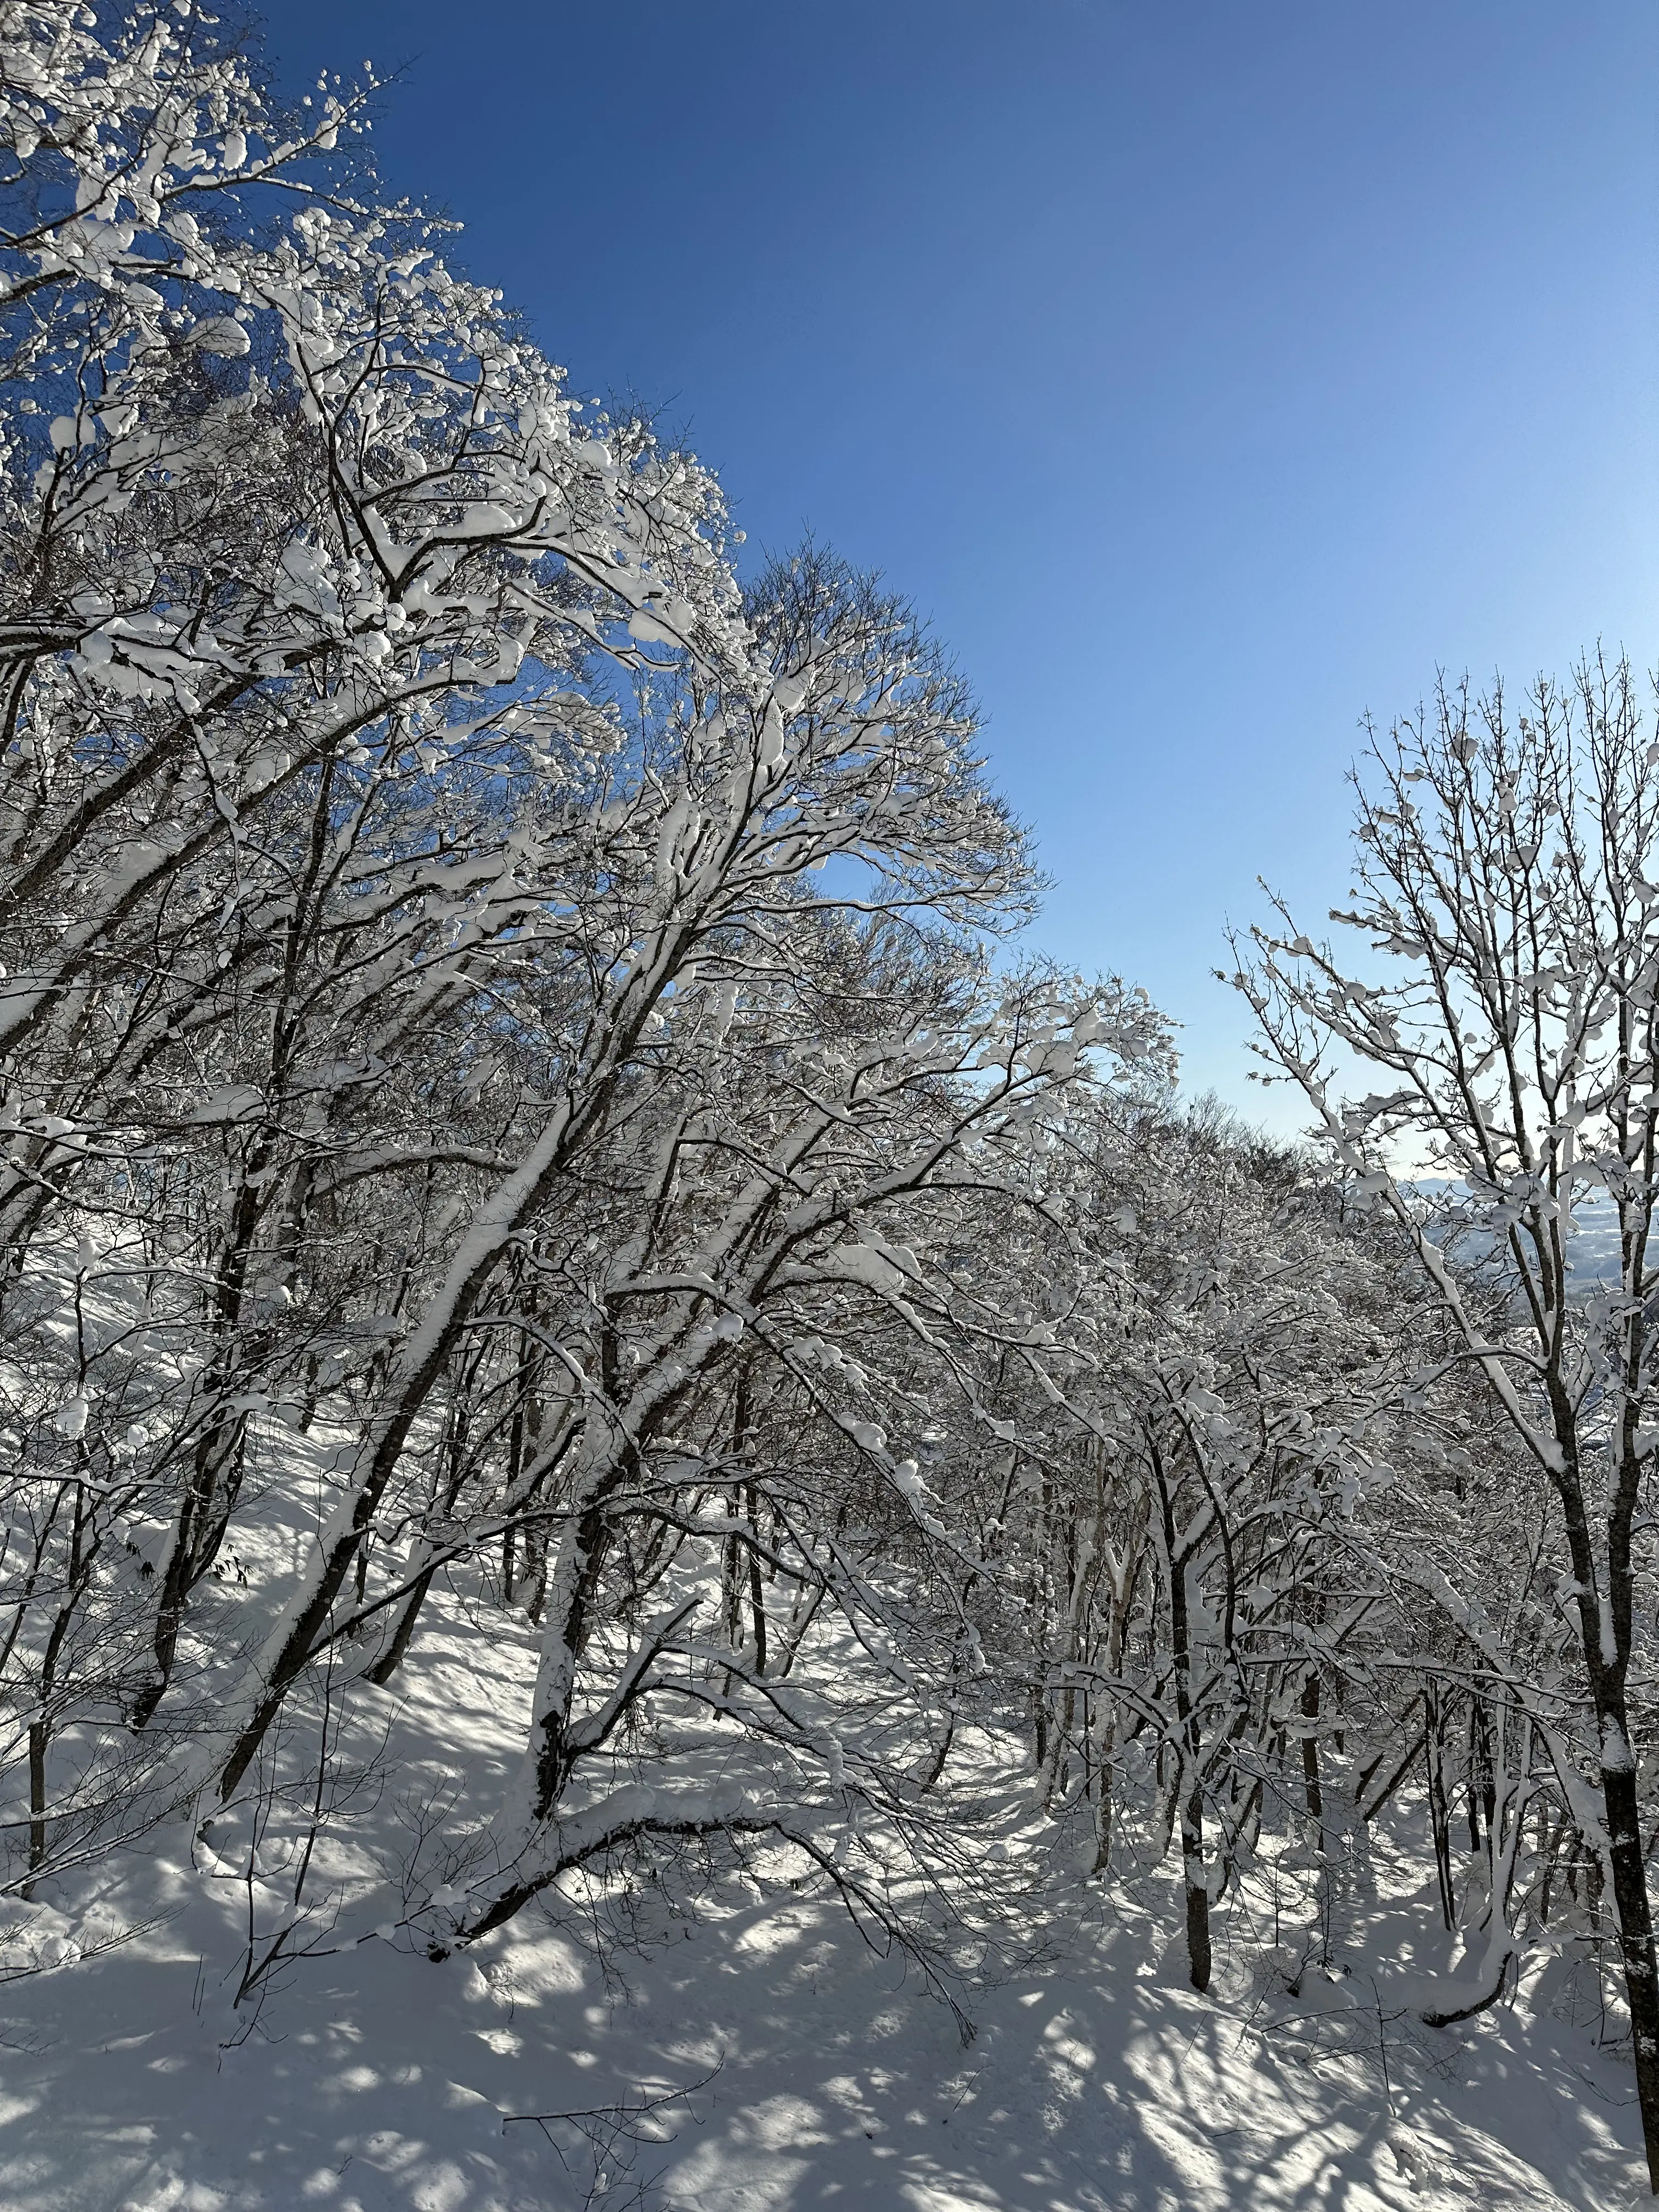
(529, 1124)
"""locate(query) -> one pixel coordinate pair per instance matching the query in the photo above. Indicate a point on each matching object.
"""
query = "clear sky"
(1209, 371)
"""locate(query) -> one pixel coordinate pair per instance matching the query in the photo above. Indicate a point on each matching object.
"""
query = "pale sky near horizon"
(1209, 374)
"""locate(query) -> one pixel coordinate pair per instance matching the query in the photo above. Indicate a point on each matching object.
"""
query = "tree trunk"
(1629, 1897)
(1434, 1748)
(1197, 1887)
(393, 1657)
(1314, 1795)
(757, 1593)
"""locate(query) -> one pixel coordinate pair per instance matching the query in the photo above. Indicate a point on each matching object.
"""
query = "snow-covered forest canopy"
(528, 1129)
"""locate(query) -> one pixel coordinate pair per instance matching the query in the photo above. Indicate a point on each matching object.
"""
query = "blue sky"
(1209, 371)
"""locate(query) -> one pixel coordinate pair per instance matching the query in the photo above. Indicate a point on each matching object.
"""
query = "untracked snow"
(799, 2068)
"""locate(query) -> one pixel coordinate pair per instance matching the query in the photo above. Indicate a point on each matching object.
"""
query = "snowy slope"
(374, 2080)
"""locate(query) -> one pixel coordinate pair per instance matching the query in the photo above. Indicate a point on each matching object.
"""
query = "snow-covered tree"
(483, 990)
(1505, 894)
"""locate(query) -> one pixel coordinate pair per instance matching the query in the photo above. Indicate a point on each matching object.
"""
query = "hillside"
(809, 2070)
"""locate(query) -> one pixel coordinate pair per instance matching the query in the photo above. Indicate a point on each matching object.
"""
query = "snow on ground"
(375, 2081)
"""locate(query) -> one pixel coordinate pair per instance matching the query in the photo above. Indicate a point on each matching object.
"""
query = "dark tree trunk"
(1197, 1887)
(1311, 1791)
